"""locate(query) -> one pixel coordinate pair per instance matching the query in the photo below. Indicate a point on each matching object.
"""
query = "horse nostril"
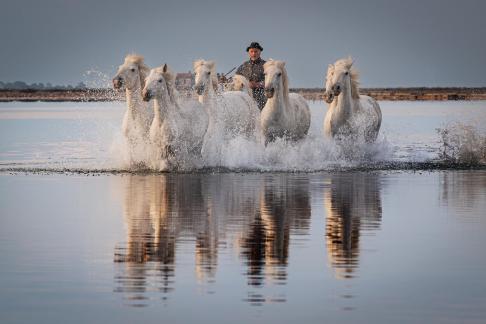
(269, 92)
(199, 90)
(147, 95)
(117, 83)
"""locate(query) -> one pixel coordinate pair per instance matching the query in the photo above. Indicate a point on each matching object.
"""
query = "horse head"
(240, 83)
(205, 76)
(131, 73)
(275, 77)
(156, 84)
(340, 77)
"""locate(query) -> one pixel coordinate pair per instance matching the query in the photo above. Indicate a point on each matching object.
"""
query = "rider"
(253, 71)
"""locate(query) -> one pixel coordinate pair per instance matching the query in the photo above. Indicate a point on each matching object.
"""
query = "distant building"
(184, 81)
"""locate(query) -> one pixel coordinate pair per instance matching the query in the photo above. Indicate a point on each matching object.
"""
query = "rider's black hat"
(254, 45)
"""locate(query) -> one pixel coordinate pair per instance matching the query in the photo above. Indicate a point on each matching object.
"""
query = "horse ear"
(330, 68)
(211, 64)
(350, 61)
(281, 64)
(164, 69)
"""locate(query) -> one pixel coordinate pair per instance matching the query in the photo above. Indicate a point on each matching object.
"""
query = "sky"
(393, 42)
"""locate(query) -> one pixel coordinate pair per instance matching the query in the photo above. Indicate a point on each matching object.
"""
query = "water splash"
(87, 138)
(99, 85)
(94, 78)
(462, 143)
(239, 153)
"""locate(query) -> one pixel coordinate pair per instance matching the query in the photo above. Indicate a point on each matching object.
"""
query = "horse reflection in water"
(162, 211)
(353, 205)
(284, 208)
(231, 202)
(156, 210)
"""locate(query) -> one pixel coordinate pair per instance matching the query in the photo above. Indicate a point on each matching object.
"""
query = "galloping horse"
(349, 112)
(284, 115)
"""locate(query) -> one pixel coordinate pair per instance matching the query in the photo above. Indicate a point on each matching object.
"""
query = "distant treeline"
(409, 93)
(408, 89)
(69, 93)
(21, 85)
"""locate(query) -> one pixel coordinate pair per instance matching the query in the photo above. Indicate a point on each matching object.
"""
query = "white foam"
(238, 152)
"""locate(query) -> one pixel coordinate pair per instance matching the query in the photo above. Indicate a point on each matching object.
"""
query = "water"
(341, 245)
(87, 136)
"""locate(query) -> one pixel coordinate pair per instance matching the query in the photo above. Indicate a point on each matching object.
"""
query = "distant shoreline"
(392, 94)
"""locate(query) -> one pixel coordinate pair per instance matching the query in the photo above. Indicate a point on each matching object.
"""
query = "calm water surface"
(342, 247)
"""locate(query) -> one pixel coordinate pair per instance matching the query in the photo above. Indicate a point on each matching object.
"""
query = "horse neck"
(210, 103)
(134, 97)
(161, 108)
(344, 106)
(279, 103)
(208, 98)
(172, 92)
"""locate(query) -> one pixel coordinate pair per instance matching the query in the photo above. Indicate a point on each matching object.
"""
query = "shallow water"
(377, 245)
(87, 136)
(323, 247)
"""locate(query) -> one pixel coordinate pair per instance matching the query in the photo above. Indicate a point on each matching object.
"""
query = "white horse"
(349, 113)
(284, 115)
(131, 76)
(178, 128)
(240, 83)
(231, 114)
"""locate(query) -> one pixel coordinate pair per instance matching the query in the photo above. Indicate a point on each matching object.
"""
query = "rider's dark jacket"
(253, 71)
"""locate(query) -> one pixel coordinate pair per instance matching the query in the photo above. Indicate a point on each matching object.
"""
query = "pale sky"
(393, 42)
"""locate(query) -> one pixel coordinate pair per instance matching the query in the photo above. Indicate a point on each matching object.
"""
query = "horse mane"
(285, 79)
(330, 72)
(170, 78)
(347, 64)
(142, 68)
(212, 65)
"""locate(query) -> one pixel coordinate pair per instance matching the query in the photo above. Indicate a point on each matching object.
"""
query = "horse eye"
(160, 81)
(132, 69)
(347, 73)
(279, 74)
(208, 73)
